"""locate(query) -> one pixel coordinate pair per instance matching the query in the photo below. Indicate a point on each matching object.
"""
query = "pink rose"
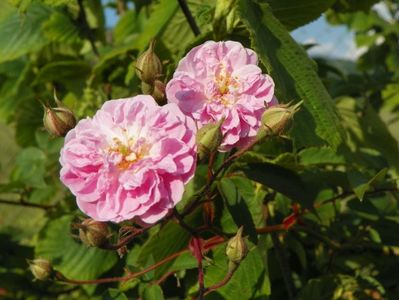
(130, 161)
(222, 79)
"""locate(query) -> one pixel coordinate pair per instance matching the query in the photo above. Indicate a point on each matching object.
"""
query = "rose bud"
(40, 268)
(148, 65)
(93, 233)
(236, 249)
(159, 92)
(58, 120)
(277, 118)
(209, 138)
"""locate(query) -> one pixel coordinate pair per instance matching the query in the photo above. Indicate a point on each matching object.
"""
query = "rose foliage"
(194, 150)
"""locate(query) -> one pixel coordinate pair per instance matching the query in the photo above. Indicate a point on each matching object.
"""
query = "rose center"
(227, 87)
(123, 154)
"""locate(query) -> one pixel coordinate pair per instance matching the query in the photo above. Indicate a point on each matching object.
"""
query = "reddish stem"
(61, 277)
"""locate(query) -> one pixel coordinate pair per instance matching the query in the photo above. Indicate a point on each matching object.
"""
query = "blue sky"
(332, 41)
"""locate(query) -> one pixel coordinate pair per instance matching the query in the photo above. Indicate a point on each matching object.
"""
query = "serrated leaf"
(250, 281)
(20, 35)
(294, 13)
(293, 72)
(60, 28)
(30, 167)
(71, 73)
(74, 260)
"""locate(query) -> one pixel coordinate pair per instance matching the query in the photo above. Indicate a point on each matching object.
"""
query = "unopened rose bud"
(209, 138)
(148, 65)
(93, 233)
(58, 120)
(277, 118)
(159, 92)
(236, 249)
(40, 268)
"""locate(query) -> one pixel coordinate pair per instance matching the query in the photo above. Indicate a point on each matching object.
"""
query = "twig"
(61, 277)
(82, 19)
(210, 243)
(126, 240)
(26, 204)
(190, 19)
(183, 224)
(220, 284)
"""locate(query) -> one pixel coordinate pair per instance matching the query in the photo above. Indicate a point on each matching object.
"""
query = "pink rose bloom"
(130, 161)
(222, 79)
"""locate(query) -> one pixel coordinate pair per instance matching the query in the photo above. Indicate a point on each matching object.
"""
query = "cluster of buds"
(41, 269)
(209, 138)
(93, 233)
(276, 119)
(58, 120)
(236, 250)
(149, 70)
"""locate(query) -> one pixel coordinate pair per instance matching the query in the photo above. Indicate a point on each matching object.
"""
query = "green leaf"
(369, 130)
(152, 292)
(294, 13)
(29, 117)
(60, 28)
(20, 35)
(320, 288)
(360, 187)
(250, 281)
(160, 245)
(74, 260)
(30, 167)
(161, 15)
(280, 179)
(293, 72)
(72, 73)
(114, 294)
(320, 156)
(237, 207)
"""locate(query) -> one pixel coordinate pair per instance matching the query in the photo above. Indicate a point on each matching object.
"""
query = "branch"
(222, 283)
(61, 277)
(26, 204)
(190, 19)
(82, 19)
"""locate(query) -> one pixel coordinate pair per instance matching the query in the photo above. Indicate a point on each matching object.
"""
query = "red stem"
(60, 277)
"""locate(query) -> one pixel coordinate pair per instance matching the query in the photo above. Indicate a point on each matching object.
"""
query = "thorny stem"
(190, 19)
(82, 19)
